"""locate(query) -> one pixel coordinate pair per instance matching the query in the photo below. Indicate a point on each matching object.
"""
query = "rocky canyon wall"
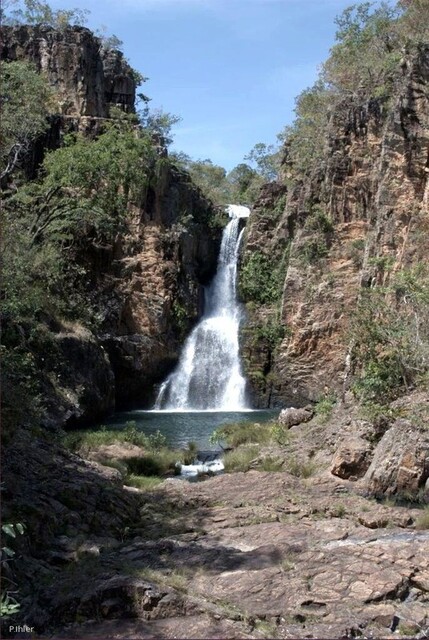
(147, 286)
(361, 217)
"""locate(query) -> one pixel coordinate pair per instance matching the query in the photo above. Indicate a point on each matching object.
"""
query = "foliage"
(180, 316)
(267, 160)
(8, 604)
(210, 178)
(355, 251)
(324, 407)
(161, 462)
(84, 441)
(158, 124)
(367, 49)
(390, 335)
(239, 459)
(305, 138)
(240, 185)
(422, 521)
(262, 277)
(144, 483)
(26, 98)
(364, 64)
(280, 434)
(301, 468)
(108, 42)
(313, 248)
(244, 183)
(190, 453)
(271, 333)
(20, 388)
(272, 464)
(34, 12)
(319, 221)
(98, 177)
(154, 441)
(314, 243)
(239, 433)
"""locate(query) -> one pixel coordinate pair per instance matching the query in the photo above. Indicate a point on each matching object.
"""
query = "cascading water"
(208, 376)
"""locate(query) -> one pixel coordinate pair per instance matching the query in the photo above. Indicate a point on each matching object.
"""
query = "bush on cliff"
(262, 277)
(26, 102)
(391, 336)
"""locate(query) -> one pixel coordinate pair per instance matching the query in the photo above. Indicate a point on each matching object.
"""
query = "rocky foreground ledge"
(256, 554)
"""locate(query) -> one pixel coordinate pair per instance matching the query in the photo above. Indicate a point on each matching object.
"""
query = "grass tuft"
(422, 522)
(240, 459)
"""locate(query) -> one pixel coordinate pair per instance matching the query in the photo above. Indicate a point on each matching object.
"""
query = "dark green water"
(182, 427)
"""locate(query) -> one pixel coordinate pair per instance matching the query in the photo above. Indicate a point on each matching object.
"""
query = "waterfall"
(208, 375)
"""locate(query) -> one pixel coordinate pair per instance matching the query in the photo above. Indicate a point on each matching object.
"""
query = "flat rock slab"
(261, 555)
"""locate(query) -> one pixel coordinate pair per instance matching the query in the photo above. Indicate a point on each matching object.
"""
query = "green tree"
(245, 183)
(211, 178)
(35, 12)
(267, 160)
(96, 178)
(367, 49)
(26, 99)
(158, 123)
(305, 138)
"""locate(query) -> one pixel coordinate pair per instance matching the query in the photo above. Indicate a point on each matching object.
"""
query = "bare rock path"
(259, 555)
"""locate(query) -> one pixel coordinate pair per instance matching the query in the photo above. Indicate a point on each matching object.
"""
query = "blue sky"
(230, 68)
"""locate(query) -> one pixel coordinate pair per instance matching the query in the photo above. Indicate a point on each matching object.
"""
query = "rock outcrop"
(247, 555)
(147, 287)
(87, 78)
(352, 458)
(373, 186)
(291, 416)
(400, 465)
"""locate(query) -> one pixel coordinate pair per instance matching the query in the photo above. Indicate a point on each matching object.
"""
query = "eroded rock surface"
(291, 417)
(400, 465)
(253, 555)
(372, 187)
(352, 458)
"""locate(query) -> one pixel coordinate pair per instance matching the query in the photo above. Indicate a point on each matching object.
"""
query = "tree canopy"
(25, 104)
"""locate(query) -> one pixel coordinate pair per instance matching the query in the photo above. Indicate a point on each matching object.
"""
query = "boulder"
(352, 458)
(400, 466)
(291, 416)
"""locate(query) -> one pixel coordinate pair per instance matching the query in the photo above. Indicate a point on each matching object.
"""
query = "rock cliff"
(87, 78)
(372, 186)
(146, 286)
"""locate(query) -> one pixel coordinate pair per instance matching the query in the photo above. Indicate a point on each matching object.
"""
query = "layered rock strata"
(373, 185)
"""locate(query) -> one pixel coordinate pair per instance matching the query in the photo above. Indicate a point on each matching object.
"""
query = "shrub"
(159, 463)
(318, 220)
(422, 521)
(271, 464)
(324, 407)
(239, 459)
(242, 433)
(272, 333)
(190, 453)
(390, 335)
(280, 434)
(313, 249)
(142, 482)
(301, 468)
(262, 277)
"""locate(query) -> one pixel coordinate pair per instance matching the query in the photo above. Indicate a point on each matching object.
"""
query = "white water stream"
(208, 375)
